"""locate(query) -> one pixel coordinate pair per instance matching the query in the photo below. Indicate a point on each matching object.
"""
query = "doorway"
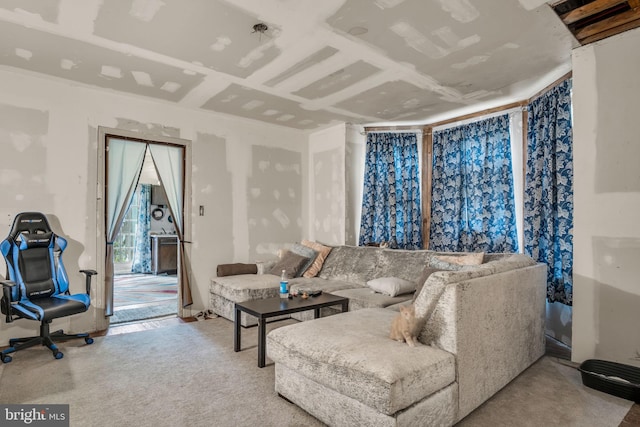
(145, 281)
(145, 184)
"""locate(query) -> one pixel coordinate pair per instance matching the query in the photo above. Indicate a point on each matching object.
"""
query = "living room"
(53, 162)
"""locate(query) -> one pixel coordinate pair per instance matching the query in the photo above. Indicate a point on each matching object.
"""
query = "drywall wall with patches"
(23, 163)
(213, 228)
(354, 154)
(327, 188)
(50, 162)
(606, 101)
(274, 193)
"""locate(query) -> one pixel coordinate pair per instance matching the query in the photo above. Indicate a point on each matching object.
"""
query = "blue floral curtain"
(548, 198)
(472, 202)
(391, 210)
(142, 250)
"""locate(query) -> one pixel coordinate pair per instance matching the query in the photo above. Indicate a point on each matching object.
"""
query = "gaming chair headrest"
(29, 222)
(29, 241)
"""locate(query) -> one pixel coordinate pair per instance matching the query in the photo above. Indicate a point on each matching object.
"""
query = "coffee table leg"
(262, 341)
(236, 329)
(345, 306)
(316, 313)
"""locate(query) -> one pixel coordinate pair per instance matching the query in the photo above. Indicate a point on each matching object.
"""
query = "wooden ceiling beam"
(408, 128)
(607, 25)
(611, 32)
(589, 10)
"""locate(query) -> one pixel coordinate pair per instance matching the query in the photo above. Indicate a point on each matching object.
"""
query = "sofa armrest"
(494, 324)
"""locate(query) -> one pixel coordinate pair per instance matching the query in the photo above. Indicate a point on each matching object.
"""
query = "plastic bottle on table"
(284, 282)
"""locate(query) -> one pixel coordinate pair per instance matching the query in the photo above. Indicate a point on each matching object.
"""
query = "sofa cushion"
(405, 264)
(323, 251)
(355, 264)
(306, 252)
(235, 269)
(360, 298)
(391, 286)
(460, 261)
(317, 284)
(290, 263)
(245, 287)
(351, 361)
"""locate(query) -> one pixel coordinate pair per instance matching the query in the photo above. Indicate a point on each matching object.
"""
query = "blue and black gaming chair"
(38, 286)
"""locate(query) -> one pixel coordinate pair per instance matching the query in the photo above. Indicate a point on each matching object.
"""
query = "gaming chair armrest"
(88, 274)
(6, 300)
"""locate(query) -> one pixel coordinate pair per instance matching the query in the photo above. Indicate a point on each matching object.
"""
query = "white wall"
(336, 173)
(606, 310)
(355, 158)
(249, 176)
(327, 186)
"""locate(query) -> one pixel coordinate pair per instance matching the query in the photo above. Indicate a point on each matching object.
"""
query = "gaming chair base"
(45, 338)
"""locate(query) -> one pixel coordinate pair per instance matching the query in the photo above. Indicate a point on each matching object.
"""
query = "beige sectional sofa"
(483, 325)
(346, 270)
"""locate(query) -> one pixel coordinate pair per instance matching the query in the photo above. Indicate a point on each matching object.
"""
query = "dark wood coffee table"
(264, 309)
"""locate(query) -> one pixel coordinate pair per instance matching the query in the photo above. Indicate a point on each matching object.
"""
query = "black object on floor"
(613, 378)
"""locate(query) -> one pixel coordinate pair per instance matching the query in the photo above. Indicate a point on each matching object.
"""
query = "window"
(124, 244)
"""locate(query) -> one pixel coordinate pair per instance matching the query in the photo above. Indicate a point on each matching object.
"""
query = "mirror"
(157, 214)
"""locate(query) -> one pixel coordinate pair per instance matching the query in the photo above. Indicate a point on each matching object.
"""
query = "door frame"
(103, 133)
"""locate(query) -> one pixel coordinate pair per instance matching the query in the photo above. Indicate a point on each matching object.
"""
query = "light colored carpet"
(549, 393)
(181, 375)
(188, 375)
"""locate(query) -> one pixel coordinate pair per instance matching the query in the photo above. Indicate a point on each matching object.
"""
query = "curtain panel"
(168, 162)
(124, 164)
(548, 199)
(142, 249)
(391, 207)
(472, 199)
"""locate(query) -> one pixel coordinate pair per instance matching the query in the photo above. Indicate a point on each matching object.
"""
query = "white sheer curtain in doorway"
(124, 163)
(168, 161)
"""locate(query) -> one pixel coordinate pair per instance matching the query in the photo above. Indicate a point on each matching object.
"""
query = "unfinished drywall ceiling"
(315, 64)
(94, 65)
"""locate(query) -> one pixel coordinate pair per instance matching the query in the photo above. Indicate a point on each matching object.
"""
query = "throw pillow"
(456, 262)
(290, 262)
(307, 252)
(423, 278)
(391, 286)
(236, 269)
(323, 252)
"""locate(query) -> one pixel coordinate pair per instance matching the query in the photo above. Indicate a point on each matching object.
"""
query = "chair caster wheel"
(58, 355)
(88, 340)
(6, 359)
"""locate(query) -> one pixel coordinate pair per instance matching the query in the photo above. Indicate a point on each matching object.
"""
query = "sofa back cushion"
(355, 264)
(404, 264)
(359, 264)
